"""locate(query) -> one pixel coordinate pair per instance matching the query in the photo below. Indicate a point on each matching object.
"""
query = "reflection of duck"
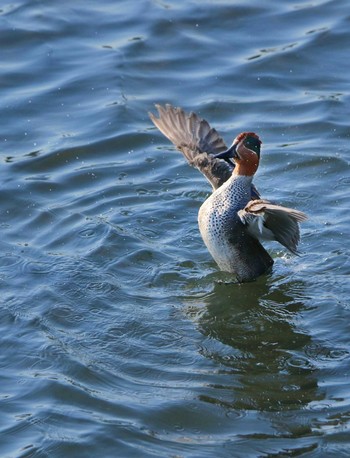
(253, 335)
(234, 218)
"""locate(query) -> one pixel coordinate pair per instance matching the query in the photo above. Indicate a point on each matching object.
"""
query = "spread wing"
(267, 221)
(196, 140)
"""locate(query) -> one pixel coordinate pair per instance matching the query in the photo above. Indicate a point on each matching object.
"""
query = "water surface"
(119, 336)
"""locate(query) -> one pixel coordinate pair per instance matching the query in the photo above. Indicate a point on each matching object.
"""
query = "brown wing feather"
(281, 221)
(197, 141)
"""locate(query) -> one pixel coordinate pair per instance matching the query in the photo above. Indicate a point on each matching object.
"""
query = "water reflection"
(262, 346)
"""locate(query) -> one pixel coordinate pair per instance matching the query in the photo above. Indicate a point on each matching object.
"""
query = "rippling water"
(119, 337)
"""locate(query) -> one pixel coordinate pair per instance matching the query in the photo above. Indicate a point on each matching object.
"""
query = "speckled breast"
(218, 220)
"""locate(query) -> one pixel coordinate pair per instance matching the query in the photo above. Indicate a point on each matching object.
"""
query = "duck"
(234, 219)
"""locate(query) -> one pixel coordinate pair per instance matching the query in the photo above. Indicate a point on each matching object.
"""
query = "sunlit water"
(119, 336)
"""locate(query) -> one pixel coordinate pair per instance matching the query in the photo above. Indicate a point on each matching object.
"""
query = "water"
(119, 337)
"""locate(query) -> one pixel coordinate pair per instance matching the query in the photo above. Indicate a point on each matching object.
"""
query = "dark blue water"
(119, 336)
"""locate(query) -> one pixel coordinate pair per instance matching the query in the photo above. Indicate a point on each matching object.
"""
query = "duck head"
(245, 152)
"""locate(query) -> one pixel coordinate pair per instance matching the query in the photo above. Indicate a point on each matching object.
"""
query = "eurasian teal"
(234, 218)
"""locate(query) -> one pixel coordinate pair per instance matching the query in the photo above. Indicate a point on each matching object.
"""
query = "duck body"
(224, 234)
(233, 219)
(218, 218)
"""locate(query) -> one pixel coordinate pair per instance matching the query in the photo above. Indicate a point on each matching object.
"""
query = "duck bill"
(230, 153)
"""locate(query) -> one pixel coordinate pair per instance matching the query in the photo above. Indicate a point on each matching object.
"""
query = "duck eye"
(253, 144)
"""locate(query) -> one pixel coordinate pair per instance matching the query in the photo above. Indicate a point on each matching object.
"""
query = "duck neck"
(246, 168)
